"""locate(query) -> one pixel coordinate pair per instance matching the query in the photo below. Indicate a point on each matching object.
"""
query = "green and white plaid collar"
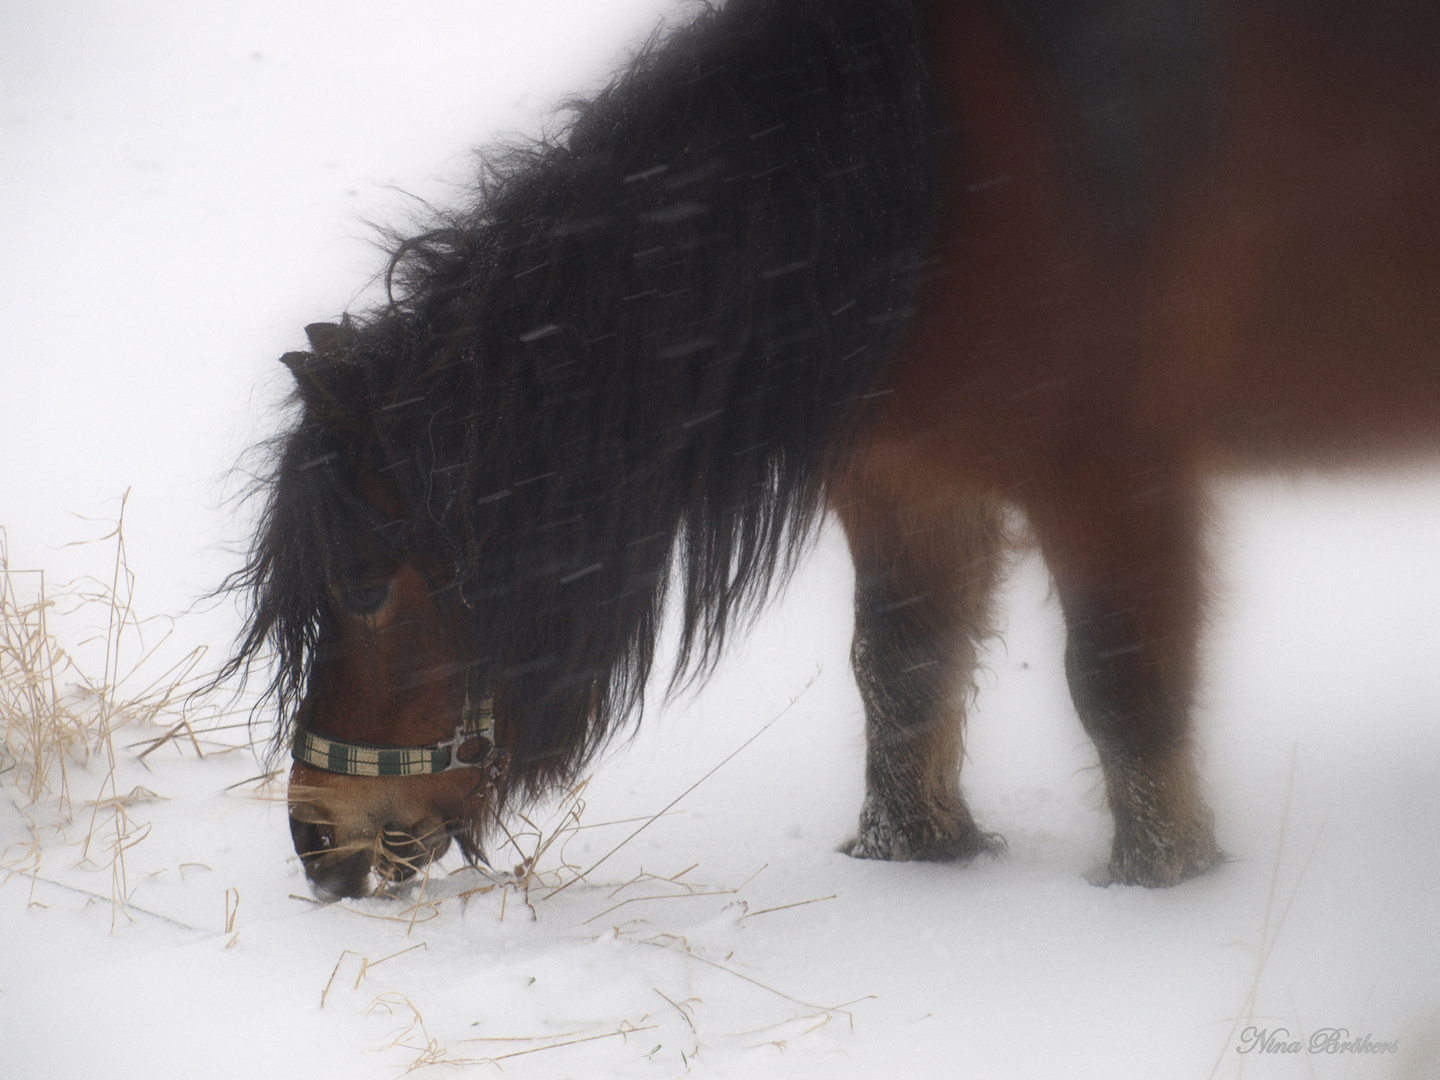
(471, 747)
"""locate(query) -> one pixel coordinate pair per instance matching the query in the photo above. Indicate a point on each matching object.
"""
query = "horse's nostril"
(334, 870)
(311, 837)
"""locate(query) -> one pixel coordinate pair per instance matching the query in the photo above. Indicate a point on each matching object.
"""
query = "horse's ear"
(329, 339)
(332, 388)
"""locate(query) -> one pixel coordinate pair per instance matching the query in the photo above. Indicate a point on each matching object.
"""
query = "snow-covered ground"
(182, 187)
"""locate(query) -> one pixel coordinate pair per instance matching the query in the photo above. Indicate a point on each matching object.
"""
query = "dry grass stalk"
(685, 1009)
(232, 911)
(60, 713)
(554, 1042)
(688, 889)
(366, 965)
(429, 1051)
(581, 875)
(675, 943)
(335, 971)
(533, 842)
(1269, 933)
(42, 726)
(787, 907)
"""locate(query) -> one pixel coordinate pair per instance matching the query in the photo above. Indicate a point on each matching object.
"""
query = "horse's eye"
(363, 599)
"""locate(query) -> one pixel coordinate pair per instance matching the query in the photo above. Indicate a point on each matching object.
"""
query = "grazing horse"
(921, 263)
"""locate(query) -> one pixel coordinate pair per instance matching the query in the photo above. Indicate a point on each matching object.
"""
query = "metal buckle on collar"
(477, 725)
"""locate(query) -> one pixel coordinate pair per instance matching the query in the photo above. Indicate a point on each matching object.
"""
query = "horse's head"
(457, 612)
(391, 735)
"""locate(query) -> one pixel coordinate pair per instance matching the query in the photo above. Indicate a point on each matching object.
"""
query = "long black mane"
(646, 344)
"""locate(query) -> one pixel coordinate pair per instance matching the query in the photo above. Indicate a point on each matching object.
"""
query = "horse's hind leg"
(1125, 558)
(925, 568)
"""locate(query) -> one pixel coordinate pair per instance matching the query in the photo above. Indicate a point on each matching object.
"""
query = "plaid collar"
(477, 727)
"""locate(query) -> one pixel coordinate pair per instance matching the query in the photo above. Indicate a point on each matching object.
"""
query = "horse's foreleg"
(1125, 560)
(925, 569)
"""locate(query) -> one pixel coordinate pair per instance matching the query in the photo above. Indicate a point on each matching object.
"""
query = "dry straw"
(62, 706)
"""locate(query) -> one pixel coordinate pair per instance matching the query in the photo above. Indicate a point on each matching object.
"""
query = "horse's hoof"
(1157, 868)
(923, 841)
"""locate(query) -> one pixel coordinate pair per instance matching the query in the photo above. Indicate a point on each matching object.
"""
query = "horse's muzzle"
(357, 835)
(361, 865)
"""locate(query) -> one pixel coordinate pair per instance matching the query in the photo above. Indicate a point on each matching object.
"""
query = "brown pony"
(919, 261)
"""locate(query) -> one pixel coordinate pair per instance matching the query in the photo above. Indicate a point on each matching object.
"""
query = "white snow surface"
(182, 188)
